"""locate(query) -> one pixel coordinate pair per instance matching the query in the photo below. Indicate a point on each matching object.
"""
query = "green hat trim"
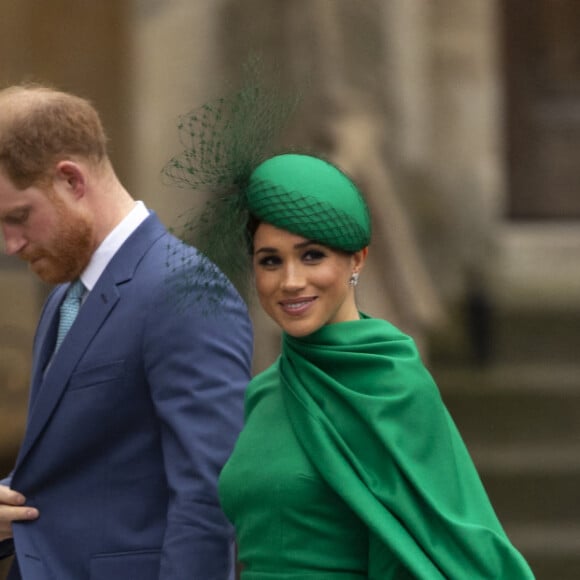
(310, 197)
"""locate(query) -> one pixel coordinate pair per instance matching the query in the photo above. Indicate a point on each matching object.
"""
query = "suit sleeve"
(198, 365)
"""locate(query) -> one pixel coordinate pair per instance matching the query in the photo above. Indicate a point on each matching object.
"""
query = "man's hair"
(39, 126)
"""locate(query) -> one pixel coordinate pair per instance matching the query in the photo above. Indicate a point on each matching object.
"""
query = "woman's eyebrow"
(305, 243)
(298, 246)
(266, 250)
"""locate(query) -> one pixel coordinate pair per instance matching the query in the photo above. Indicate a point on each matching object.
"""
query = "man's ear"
(71, 176)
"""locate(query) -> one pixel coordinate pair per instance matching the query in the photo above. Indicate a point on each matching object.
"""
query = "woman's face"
(303, 285)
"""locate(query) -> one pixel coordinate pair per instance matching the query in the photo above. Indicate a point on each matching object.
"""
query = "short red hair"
(39, 126)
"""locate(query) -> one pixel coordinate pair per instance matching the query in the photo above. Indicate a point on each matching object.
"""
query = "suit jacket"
(130, 424)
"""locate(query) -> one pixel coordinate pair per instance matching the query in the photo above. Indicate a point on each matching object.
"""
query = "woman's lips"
(297, 307)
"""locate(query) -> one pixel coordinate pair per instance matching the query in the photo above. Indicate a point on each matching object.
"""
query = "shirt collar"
(111, 244)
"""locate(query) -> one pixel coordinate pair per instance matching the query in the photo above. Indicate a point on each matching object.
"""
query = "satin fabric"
(369, 417)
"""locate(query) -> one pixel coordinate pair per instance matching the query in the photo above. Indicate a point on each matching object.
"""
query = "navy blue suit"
(129, 427)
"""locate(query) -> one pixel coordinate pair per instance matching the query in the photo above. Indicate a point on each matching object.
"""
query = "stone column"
(174, 69)
(466, 154)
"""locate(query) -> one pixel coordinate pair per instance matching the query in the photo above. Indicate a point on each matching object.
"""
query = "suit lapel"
(46, 337)
(47, 390)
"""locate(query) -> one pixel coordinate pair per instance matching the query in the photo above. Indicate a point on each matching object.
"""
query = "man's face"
(43, 227)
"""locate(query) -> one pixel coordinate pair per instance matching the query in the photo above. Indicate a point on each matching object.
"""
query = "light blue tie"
(69, 310)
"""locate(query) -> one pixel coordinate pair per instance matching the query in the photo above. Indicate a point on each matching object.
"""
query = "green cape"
(370, 417)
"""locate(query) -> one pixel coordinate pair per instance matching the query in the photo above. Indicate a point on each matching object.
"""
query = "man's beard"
(70, 251)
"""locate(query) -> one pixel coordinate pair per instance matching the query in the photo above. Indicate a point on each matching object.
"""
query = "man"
(134, 412)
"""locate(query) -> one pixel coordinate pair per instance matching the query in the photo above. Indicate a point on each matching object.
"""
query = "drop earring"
(353, 280)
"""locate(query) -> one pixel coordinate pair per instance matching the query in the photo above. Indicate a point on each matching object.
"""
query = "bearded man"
(135, 403)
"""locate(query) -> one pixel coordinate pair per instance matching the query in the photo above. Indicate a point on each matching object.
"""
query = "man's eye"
(17, 218)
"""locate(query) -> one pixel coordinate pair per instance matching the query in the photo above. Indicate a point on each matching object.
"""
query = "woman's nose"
(293, 278)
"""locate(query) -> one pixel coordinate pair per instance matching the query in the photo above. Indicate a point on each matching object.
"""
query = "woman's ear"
(70, 176)
(359, 259)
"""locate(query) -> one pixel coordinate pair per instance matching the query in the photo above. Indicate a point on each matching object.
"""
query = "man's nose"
(12, 241)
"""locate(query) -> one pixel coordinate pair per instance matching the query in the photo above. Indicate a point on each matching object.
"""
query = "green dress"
(350, 467)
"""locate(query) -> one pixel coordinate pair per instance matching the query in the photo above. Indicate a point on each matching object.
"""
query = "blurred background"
(459, 119)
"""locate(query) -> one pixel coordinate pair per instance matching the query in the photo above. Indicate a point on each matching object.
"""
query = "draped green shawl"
(370, 417)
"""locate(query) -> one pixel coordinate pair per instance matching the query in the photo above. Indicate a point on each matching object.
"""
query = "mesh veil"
(223, 140)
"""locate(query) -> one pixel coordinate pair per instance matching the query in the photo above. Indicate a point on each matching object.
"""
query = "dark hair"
(39, 126)
(251, 227)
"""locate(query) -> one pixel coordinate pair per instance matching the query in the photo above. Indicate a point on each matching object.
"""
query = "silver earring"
(353, 281)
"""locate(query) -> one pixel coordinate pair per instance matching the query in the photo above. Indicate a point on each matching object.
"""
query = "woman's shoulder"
(265, 378)
(260, 385)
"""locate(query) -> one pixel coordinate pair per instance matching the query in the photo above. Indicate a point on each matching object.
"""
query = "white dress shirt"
(111, 244)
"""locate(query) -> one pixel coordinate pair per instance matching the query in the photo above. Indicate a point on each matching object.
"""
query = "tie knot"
(76, 289)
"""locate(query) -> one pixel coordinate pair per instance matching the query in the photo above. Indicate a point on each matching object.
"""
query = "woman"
(349, 465)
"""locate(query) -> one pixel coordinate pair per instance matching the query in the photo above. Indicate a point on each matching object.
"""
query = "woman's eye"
(313, 255)
(269, 261)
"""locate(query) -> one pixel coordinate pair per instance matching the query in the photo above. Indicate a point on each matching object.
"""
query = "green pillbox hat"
(309, 197)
